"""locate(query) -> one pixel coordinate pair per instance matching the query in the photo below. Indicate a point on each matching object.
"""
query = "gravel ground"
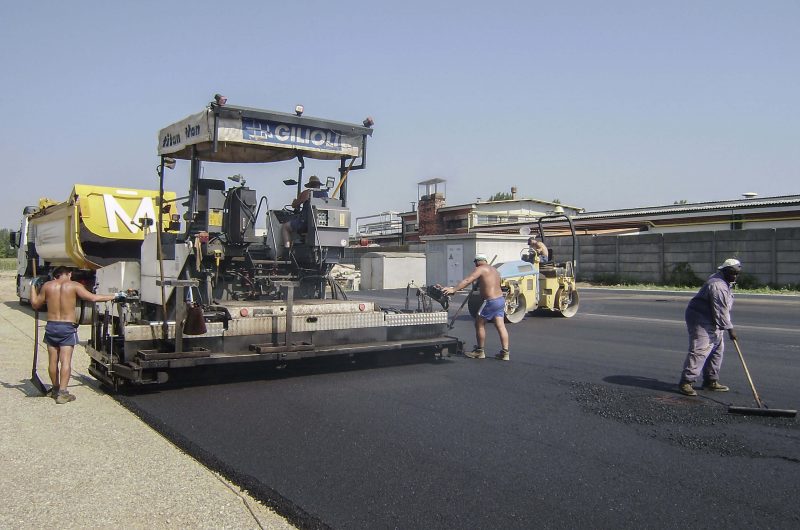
(91, 463)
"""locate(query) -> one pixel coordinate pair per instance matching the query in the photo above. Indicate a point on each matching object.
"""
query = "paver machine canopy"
(236, 262)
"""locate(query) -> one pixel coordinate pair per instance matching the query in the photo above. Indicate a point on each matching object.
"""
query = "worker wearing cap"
(297, 224)
(708, 315)
(493, 308)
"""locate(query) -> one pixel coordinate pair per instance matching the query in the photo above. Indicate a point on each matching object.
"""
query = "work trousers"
(706, 346)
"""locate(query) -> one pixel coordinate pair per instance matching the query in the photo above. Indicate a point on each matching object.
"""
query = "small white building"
(449, 257)
(392, 270)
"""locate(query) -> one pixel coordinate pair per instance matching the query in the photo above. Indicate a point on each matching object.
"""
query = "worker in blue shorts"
(492, 309)
(61, 331)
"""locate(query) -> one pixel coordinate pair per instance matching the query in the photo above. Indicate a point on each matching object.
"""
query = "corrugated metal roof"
(765, 202)
(475, 205)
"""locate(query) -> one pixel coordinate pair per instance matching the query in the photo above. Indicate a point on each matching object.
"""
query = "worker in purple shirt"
(708, 315)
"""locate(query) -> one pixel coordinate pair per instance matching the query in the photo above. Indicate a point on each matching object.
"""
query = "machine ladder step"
(272, 348)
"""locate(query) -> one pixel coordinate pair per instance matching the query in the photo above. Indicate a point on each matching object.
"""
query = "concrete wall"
(391, 270)
(772, 256)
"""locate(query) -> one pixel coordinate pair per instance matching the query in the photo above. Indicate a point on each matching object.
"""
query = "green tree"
(500, 196)
(682, 201)
(6, 251)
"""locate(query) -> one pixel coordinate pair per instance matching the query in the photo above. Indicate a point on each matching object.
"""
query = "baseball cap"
(480, 257)
(732, 263)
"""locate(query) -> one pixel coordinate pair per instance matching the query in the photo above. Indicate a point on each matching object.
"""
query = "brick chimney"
(429, 222)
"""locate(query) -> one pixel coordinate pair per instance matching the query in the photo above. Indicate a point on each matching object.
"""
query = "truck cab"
(26, 256)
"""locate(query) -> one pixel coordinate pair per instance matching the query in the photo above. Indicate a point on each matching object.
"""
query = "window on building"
(455, 224)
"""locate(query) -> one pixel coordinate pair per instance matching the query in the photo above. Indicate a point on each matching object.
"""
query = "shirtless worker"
(61, 333)
(539, 248)
(492, 309)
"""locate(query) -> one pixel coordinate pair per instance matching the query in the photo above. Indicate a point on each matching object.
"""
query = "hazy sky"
(600, 104)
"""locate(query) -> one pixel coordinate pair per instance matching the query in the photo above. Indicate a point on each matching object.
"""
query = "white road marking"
(681, 322)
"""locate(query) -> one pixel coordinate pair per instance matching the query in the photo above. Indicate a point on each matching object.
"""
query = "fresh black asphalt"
(581, 429)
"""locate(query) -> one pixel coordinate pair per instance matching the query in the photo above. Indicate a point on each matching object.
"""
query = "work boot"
(686, 389)
(64, 397)
(476, 353)
(714, 386)
(53, 392)
(502, 355)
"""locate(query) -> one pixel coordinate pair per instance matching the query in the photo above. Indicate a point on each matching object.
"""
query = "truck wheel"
(516, 309)
(567, 302)
(474, 304)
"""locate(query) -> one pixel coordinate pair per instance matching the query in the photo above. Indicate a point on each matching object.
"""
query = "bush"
(6, 250)
(612, 279)
(683, 278)
(748, 281)
(603, 279)
(682, 275)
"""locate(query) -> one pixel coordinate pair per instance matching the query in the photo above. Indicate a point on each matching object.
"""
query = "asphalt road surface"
(583, 427)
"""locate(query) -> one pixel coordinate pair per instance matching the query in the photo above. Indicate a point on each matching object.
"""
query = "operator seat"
(301, 222)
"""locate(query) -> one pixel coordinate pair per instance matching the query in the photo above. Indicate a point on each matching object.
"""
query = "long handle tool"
(455, 315)
(343, 178)
(474, 288)
(35, 376)
(762, 409)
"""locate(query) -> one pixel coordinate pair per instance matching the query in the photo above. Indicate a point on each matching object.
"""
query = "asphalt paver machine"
(210, 289)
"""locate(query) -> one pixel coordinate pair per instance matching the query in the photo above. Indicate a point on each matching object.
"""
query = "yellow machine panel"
(96, 217)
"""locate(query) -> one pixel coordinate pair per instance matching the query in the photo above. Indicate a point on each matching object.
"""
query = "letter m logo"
(115, 212)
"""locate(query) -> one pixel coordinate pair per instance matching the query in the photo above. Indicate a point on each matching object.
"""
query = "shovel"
(762, 409)
(455, 315)
(35, 376)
